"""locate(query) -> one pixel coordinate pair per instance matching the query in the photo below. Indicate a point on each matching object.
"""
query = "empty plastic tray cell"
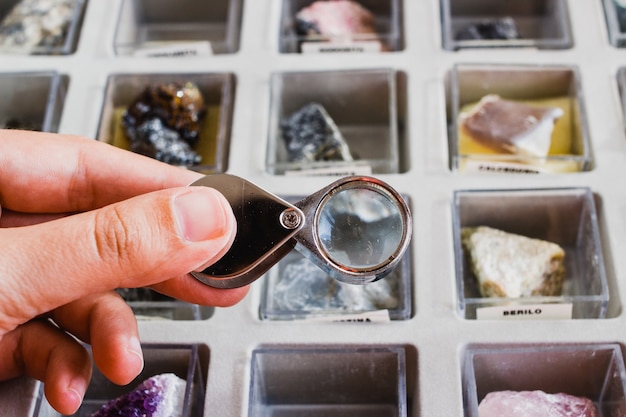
(328, 381)
(24, 29)
(32, 100)
(591, 372)
(186, 28)
(333, 122)
(615, 13)
(343, 26)
(542, 24)
(517, 119)
(563, 216)
(148, 305)
(188, 363)
(211, 143)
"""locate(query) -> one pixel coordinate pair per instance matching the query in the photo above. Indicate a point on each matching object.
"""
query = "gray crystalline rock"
(310, 135)
(304, 287)
(36, 23)
(155, 140)
(498, 29)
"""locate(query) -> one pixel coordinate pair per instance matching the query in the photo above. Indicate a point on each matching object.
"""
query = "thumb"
(136, 242)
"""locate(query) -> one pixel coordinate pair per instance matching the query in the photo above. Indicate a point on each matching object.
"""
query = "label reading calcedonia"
(501, 168)
(175, 50)
(358, 47)
(526, 312)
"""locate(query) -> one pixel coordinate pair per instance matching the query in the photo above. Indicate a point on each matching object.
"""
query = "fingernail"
(200, 214)
(134, 347)
(77, 389)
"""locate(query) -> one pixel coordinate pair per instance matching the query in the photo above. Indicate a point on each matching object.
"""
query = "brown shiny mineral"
(180, 107)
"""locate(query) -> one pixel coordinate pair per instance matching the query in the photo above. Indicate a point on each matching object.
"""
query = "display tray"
(398, 96)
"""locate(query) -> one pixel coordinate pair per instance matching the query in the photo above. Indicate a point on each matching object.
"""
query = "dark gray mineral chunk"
(310, 134)
(302, 286)
(141, 294)
(500, 29)
(153, 139)
(14, 123)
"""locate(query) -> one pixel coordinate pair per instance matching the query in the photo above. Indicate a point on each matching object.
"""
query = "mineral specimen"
(511, 127)
(310, 134)
(334, 18)
(36, 23)
(14, 123)
(158, 396)
(535, 404)
(164, 122)
(155, 140)
(499, 29)
(302, 286)
(179, 107)
(141, 294)
(511, 265)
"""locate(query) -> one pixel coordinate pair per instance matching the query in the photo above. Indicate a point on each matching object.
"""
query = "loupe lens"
(360, 227)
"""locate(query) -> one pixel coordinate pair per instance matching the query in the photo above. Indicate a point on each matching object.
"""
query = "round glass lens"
(360, 228)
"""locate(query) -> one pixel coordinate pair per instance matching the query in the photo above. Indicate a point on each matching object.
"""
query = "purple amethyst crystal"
(158, 396)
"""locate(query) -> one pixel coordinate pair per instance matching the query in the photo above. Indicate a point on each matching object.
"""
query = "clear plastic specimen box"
(594, 371)
(541, 24)
(537, 86)
(361, 103)
(150, 305)
(189, 362)
(565, 216)
(387, 36)
(161, 28)
(296, 289)
(330, 381)
(32, 100)
(218, 91)
(615, 14)
(31, 32)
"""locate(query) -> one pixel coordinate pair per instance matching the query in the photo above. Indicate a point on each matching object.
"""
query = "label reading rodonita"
(353, 47)
(175, 50)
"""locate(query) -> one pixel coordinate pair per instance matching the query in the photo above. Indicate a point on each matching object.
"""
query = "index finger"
(54, 173)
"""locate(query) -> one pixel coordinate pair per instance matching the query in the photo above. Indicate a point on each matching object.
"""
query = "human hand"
(80, 218)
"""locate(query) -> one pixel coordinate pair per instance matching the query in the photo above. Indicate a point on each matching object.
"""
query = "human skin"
(78, 219)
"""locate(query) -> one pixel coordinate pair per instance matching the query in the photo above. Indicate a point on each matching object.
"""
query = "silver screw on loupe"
(290, 219)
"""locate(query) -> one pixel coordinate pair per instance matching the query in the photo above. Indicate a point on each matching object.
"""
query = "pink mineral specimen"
(535, 404)
(335, 18)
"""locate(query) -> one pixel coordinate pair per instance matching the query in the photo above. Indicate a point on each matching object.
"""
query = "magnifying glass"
(355, 229)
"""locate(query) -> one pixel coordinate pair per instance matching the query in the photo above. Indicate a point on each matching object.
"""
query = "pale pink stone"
(338, 17)
(535, 404)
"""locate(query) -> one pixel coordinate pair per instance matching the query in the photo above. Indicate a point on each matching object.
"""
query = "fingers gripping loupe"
(356, 230)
